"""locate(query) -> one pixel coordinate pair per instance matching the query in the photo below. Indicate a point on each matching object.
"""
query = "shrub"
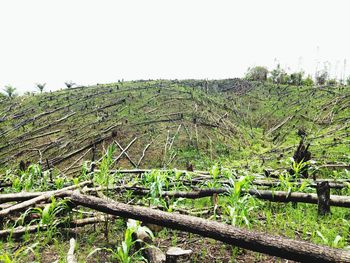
(348, 81)
(321, 77)
(308, 81)
(279, 76)
(257, 73)
(332, 82)
(296, 78)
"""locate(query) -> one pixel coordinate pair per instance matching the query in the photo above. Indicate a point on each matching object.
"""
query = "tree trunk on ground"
(273, 196)
(21, 230)
(256, 241)
(45, 196)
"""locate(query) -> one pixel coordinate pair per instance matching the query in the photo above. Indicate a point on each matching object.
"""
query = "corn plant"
(240, 207)
(47, 216)
(215, 172)
(287, 183)
(18, 255)
(123, 253)
(32, 178)
(329, 242)
(103, 177)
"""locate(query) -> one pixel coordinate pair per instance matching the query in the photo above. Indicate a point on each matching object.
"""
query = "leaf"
(325, 240)
(336, 240)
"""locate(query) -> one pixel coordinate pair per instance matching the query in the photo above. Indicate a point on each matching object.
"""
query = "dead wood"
(21, 230)
(323, 194)
(178, 255)
(124, 150)
(256, 241)
(71, 258)
(126, 154)
(43, 197)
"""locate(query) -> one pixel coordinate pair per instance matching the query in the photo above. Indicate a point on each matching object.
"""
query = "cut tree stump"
(256, 241)
(302, 155)
(178, 255)
(323, 194)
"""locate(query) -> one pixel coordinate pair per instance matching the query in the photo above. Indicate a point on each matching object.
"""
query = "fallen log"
(59, 160)
(273, 196)
(21, 230)
(61, 192)
(257, 241)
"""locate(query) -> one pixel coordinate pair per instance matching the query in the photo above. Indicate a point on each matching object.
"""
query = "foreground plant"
(124, 253)
(240, 205)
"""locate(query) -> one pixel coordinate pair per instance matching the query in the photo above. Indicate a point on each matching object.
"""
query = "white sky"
(102, 41)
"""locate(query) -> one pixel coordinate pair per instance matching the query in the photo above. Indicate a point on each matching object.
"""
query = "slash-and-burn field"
(176, 171)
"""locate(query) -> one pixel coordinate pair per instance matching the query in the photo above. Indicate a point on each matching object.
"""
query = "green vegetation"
(257, 73)
(10, 91)
(40, 86)
(237, 130)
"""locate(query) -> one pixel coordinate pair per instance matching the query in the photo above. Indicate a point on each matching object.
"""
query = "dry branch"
(70, 255)
(61, 192)
(126, 154)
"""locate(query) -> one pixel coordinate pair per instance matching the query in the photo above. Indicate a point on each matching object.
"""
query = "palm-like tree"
(40, 86)
(69, 84)
(10, 91)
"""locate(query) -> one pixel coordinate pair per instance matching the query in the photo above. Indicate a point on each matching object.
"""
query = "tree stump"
(178, 255)
(323, 194)
(302, 155)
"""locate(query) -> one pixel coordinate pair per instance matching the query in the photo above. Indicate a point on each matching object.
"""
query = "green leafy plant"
(240, 204)
(10, 91)
(103, 176)
(124, 253)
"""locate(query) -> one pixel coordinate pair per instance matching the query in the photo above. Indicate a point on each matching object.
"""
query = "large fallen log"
(273, 196)
(286, 197)
(256, 241)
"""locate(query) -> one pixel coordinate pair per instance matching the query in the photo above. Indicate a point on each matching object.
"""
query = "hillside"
(175, 123)
(245, 201)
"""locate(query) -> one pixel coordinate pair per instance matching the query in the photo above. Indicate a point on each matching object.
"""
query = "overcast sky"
(102, 41)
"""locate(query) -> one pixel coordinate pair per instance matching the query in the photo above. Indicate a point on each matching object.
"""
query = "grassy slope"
(227, 125)
(246, 139)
